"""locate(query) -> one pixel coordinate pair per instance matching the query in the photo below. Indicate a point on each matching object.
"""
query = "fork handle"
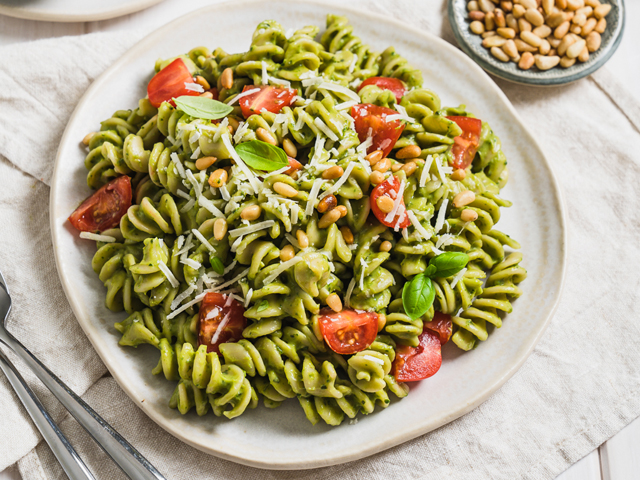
(71, 463)
(121, 452)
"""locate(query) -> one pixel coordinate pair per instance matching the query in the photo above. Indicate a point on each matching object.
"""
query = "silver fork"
(121, 452)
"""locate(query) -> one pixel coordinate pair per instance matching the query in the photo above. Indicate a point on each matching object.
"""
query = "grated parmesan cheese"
(195, 154)
(256, 227)
(243, 94)
(333, 87)
(345, 105)
(203, 240)
(265, 74)
(371, 358)
(313, 195)
(208, 204)
(281, 268)
(180, 297)
(177, 312)
(441, 214)
(325, 129)
(253, 181)
(225, 193)
(193, 87)
(176, 161)
(167, 273)
(425, 170)
(458, 277)
(97, 238)
(220, 328)
(347, 297)
(364, 267)
(396, 203)
(248, 298)
(192, 263)
(188, 206)
(341, 181)
(241, 275)
(416, 224)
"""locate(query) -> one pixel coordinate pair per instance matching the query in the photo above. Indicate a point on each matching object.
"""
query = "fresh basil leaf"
(263, 306)
(418, 296)
(431, 269)
(262, 155)
(217, 265)
(203, 107)
(449, 263)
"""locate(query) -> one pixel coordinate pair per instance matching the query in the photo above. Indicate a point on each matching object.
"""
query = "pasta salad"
(302, 220)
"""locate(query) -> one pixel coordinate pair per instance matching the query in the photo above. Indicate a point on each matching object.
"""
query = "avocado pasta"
(303, 221)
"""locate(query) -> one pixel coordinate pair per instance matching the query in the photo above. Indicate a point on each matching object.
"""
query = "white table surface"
(616, 459)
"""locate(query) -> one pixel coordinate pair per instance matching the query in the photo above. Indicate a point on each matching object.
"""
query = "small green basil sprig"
(203, 107)
(418, 294)
(261, 155)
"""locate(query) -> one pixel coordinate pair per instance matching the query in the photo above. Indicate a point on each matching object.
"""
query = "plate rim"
(537, 82)
(351, 455)
(23, 13)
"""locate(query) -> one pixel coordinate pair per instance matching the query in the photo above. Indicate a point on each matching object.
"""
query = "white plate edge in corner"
(44, 15)
(375, 446)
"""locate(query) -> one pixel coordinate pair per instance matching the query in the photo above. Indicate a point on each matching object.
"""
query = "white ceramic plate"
(72, 10)
(283, 438)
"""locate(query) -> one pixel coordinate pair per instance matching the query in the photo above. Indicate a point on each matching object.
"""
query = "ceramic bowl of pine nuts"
(538, 42)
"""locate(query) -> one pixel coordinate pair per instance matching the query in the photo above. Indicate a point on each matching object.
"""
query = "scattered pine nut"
(200, 80)
(409, 168)
(385, 246)
(463, 198)
(218, 178)
(220, 228)
(385, 203)
(226, 79)
(343, 210)
(252, 212)
(302, 238)
(266, 136)
(376, 178)
(87, 138)
(383, 165)
(207, 95)
(205, 162)
(458, 174)
(469, 215)
(289, 148)
(374, 157)
(334, 302)
(285, 190)
(410, 151)
(329, 218)
(332, 173)
(327, 203)
(347, 235)
(287, 253)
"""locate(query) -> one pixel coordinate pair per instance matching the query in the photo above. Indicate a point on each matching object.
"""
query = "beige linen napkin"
(578, 388)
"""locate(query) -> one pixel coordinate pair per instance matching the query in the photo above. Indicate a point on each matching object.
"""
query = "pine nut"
(512, 22)
(329, 218)
(545, 48)
(499, 54)
(302, 238)
(200, 80)
(506, 32)
(334, 302)
(285, 190)
(468, 215)
(499, 18)
(205, 162)
(580, 19)
(383, 165)
(562, 30)
(252, 212)
(208, 95)
(374, 157)
(87, 138)
(343, 210)
(561, 4)
(574, 50)
(524, 46)
(287, 253)
(554, 42)
(587, 11)
(477, 15)
(575, 4)
(410, 151)
(382, 321)
(409, 168)
(528, 4)
(289, 148)
(218, 178)
(488, 34)
(510, 49)
(219, 228)
(545, 63)
(593, 41)
(327, 203)
(547, 6)
(473, 5)
(226, 79)
(566, 62)
(385, 203)
(534, 17)
(347, 235)
(458, 174)
(592, 3)
(490, 21)
(332, 173)
(524, 25)
(376, 178)
(552, 53)
(584, 55)
(396, 166)
(601, 25)
(463, 198)
(526, 61)
(477, 27)
(507, 6)
(495, 41)
(265, 136)
(589, 26)
(565, 44)
(556, 19)
(518, 11)
(543, 31)
(531, 39)
(486, 6)
(385, 246)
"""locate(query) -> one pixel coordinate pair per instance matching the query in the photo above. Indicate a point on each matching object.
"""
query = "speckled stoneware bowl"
(283, 438)
(471, 44)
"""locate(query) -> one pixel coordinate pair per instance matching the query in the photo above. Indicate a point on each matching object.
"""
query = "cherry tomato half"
(441, 325)
(394, 85)
(294, 165)
(417, 363)
(169, 83)
(348, 331)
(389, 188)
(221, 320)
(370, 121)
(466, 145)
(105, 208)
(269, 98)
